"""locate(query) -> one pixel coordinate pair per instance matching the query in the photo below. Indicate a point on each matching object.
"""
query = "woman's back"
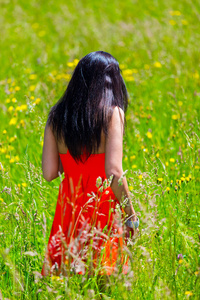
(62, 148)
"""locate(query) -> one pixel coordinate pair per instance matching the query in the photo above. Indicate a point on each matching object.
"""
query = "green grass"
(42, 38)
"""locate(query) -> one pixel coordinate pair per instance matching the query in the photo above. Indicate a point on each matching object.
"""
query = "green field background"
(157, 45)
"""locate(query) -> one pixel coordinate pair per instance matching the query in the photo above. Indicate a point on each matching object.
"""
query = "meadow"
(157, 45)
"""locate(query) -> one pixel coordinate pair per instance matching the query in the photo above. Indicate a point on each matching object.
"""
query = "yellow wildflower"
(65, 76)
(167, 164)
(172, 160)
(32, 76)
(176, 117)
(10, 148)
(41, 33)
(37, 101)
(127, 72)
(11, 160)
(35, 25)
(23, 107)
(149, 135)
(187, 179)
(32, 88)
(157, 155)
(1, 199)
(7, 156)
(11, 108)
(168, 189)
(24, 184)
(134, 166)
(12, 139)
(13, 84)
(129, 78)
(11, 89)
(180, 103)
(7, 100)
(16, 158)
(195, 75)
(14, 100)
(147, 67)
(57, 278)
(125, 158)
(182, 178)
(9, 80)
(75, 61)
(22, 123)
(153, 119)
(4, 131)
(184, 22)
(175, 13)
(13, 121)
(145, 150)
(180, 261)
(17, 88)
(130, 188)
(140, 177)
(18, 108)
(32, 97)
(3, 150)
(70, 64)
(157, 64)
(188, 293)
(172, 22)
(19, 185)
(59, 76)
(122, 66)
(160, 179)
(196, 167)
(132, 157)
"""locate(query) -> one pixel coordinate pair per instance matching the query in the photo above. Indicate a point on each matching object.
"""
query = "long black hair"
(86, 107)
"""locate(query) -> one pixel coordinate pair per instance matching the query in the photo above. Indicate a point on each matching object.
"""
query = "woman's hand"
(130, 229)
(130, 232)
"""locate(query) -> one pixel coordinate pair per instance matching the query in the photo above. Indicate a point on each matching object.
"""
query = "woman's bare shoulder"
(117, 117)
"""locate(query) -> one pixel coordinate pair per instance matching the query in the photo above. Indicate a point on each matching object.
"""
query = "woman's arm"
(113, 160)
(51, 163)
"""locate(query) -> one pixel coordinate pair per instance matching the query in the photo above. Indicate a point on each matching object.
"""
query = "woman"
(84, 136)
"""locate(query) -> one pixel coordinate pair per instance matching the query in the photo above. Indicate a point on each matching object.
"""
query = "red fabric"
(80, 220)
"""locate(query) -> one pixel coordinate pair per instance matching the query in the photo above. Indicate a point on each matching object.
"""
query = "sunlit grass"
(157, 46)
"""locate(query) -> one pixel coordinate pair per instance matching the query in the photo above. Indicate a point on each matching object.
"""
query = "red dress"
(86, 225)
